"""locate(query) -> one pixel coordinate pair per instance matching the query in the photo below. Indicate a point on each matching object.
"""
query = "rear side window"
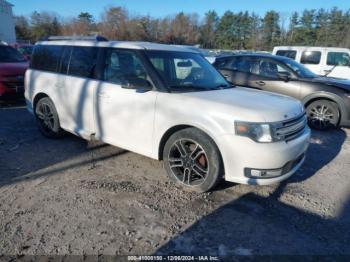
(46, 58)
(338, 59)
(222, 62)
(83, 61)
(287, 53)
(311, 57)
(241, 64)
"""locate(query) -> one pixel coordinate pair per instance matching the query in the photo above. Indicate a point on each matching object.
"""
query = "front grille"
(290, 129)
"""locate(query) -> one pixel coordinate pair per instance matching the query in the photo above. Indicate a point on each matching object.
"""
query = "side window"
(66, 53)
(223, 62)
(243, 65)
(46, 57)
(124, 67)
(338, 59)
(287, 53)
(83, 61)
(311, 57)
(268, 69)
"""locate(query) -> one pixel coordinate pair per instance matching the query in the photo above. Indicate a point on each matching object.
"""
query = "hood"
(248, 104)
(8, 69)
(336, 82)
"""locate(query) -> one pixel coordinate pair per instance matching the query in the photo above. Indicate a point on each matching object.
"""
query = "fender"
(344, 113)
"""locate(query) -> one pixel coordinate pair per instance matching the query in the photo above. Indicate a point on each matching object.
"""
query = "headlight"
(257, 131)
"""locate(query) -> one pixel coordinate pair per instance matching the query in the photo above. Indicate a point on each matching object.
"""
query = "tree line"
(240, 30)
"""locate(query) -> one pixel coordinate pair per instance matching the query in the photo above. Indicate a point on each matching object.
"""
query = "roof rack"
(96, 38)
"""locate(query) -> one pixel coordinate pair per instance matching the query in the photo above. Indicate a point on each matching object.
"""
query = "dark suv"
(327, 100)
(12, 69)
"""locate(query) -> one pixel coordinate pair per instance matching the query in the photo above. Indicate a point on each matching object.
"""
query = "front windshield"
(299, 69)
(185, 71)
(26, 50)
(10, 55)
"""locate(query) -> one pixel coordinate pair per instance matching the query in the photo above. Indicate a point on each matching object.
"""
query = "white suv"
(167, 103)
(324, 61)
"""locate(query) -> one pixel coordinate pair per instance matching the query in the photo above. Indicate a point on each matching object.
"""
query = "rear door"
(237, 70)
(77, 87)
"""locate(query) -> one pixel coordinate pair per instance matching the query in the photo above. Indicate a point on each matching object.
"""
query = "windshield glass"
(26, 50)
(10, 55)
(185, 71)
(299, 69)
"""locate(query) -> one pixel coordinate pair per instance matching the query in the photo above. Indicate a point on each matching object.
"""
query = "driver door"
(265, 76)
(124, 116)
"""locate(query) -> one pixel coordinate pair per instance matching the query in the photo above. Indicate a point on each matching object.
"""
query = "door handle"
(260, 83)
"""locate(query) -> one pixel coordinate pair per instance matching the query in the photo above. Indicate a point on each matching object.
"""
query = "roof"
(310, 48)
(121, 44)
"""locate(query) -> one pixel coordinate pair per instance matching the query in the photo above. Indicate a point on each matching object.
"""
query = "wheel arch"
(38, 97)
(172, 130)
(327, 96)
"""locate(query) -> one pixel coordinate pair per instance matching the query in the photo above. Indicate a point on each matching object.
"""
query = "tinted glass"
(242, 64)
(270, 68)
(311, 57)
(125, 68)
(46, 57)
(299, 69)
(26, 50)
(222, 62)
(65, 58)
(287, 53)
(83, 62)
(10, 55)
(185, 71)
(338, 59)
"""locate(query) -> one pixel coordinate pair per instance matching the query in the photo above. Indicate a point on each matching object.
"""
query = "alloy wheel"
(321, 116)
(45, 115)
(188, 162)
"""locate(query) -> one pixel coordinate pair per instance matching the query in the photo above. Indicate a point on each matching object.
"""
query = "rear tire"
(323, 114)
(192, 159)
(47, 118)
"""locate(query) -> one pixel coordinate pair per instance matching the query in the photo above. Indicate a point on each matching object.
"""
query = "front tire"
(192, 159)
(323, 114)
(47, 118)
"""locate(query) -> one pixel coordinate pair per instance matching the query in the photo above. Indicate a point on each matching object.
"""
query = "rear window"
(311, 57)
(10, 55)
(46, 58)
(338, 59)
(83, 61)
(287, 53)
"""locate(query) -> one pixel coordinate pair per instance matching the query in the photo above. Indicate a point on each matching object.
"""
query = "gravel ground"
(69, 196)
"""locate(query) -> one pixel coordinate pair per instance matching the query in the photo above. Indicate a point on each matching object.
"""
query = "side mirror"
(285, 76)
(139, 85)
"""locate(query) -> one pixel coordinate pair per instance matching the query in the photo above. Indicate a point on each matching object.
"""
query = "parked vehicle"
(12, 68)
(323, 61)
(167, 103)
(25, 49)
(327, 100)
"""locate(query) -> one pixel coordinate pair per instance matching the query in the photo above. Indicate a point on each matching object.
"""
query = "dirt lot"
(69, 196)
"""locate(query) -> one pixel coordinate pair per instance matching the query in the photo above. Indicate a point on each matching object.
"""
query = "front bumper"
(241, 153)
